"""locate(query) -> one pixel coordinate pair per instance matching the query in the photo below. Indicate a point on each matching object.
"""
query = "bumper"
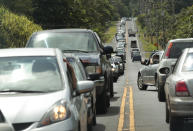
(69, 124)
(182, 107)
(99, 85)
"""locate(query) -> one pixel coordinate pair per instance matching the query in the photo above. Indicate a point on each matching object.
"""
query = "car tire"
(102, 103)
(140, 84)
(167, 113)
(111, 88)
(94, 122)
(161, 94)
(176, 123)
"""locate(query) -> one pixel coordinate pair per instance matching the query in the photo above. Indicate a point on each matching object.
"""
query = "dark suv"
(172, 52)
(84, 44)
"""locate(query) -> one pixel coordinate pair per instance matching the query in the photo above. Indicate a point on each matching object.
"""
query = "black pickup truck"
(94, 56)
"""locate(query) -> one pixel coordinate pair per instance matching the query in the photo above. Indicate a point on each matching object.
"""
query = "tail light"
(168, 50)
(181, 89)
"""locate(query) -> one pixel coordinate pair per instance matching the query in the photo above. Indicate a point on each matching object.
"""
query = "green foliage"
(165, 23)
(15, 30)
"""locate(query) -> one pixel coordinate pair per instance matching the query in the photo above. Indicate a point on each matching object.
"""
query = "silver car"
(146, 75)
(90, 97)
(39, 92)
(179, 91)
(172, 52)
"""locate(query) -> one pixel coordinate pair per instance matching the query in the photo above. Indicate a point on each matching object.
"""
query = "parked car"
(173, 51)
(179, 91)
(146, 75)
(85, 44)
(46, 96)
(90, 97)
(136, 56)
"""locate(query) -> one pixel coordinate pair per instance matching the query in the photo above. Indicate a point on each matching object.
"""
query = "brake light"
(181, 89)
(168, 50)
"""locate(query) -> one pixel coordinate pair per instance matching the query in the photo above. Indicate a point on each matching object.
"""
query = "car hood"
(89, 58)
(25, 107)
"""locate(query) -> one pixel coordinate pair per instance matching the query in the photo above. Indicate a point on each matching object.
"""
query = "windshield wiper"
(21, 91)
(64, 51)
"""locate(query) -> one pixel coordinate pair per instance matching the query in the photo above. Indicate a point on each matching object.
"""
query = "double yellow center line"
(131, 111)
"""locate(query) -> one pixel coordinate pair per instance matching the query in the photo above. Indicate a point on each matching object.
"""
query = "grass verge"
(110, 33)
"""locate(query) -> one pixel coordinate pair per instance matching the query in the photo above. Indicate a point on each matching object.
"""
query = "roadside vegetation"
(166, 21)
(53, 14)
(110, 33)
(15, 30)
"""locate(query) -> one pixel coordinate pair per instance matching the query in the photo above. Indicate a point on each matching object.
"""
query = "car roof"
(182, 40)
(11, 52)
(63, 30)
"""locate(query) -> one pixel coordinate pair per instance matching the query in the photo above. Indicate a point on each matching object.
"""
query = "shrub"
(15, 29)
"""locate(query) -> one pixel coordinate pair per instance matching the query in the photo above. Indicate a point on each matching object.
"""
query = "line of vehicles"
(59, 81)
(170, 71)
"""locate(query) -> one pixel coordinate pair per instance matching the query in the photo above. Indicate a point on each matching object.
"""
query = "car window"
(188, 64)
(178, 47)
(65, 41)
(30, 74)
(77, 70)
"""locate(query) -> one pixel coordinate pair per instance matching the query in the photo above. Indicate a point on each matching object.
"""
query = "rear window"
(178, 47)
(188, 64)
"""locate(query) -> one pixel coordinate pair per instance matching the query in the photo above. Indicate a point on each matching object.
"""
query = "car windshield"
(188, 64)
(29, 74)
(177, 48)
(136, 53)
(77, 41)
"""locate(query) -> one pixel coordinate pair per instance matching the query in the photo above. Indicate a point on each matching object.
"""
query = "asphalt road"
(132, 109)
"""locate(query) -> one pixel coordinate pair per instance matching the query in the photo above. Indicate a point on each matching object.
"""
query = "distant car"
(118, 61)
(90, 97)
(134, 50)
(146, 75)
(121, 52)
(133, 44)
(179, 91)
(121, 44)
(136, 56)
(172, 52)
(115, 69)
(39, 91)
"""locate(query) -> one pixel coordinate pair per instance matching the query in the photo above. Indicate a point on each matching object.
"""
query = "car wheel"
(176, 124)
(167, 113)
(102, 103)
(89, 127)
(111, 88)
(161, 94)
(140, 84)
(94, 118)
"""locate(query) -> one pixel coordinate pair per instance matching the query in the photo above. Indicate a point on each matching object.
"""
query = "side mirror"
(164, 70)
(85, 87)
(108, 49)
